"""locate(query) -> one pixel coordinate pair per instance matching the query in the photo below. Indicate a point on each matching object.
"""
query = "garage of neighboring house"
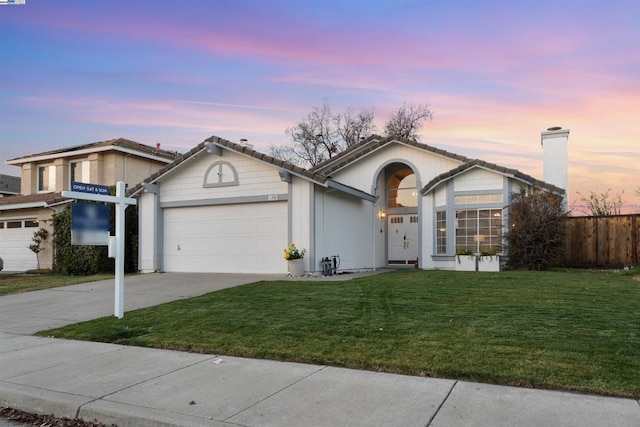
(15, 237)
(224, 238)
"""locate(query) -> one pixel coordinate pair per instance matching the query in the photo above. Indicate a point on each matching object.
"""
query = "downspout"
(373, 233)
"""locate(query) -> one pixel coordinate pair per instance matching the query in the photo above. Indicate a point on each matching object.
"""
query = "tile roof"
(321, 173)
(239, 148)
(118, 142)
(371, 144)
(44, 198)
(491, 166)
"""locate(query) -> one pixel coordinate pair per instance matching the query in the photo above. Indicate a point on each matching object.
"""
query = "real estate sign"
(89, 224)
(100, 193)
(84, 187)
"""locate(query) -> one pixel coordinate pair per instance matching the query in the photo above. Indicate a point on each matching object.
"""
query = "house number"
(272, 197)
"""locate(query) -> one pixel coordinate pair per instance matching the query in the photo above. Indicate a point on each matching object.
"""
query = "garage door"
(242, 238)
(15, 236)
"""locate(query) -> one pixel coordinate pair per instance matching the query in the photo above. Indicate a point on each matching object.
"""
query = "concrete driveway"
(30, 312)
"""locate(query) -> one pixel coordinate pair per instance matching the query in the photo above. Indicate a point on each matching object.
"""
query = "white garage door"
(242, 238)
(15, 236)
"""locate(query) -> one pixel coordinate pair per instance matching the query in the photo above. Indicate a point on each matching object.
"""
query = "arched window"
(402, 190)
(220, 174)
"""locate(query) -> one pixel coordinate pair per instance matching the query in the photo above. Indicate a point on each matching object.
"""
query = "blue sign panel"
(89, 224)
(90, 188)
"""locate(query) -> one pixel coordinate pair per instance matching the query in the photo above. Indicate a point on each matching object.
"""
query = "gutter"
(350, 190)
(21, 160)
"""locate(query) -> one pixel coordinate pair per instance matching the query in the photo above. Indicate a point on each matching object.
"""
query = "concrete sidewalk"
(131, 386)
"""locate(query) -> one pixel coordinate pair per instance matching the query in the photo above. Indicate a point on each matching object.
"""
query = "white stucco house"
(387, 201)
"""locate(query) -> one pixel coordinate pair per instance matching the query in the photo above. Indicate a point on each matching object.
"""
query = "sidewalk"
(131, 386)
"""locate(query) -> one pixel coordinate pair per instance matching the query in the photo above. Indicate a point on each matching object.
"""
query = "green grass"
(575, 330)
(21, 282)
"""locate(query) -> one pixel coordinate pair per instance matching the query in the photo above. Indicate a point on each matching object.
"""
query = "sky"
(495, 73)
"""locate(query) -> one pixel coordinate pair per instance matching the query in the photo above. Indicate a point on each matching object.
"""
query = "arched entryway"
(401, 212)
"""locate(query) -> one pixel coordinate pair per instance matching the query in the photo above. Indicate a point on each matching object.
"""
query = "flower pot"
(296, 267)
(489, 263)
(465, 263)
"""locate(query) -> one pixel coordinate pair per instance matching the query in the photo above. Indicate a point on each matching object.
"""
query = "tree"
(354, 126)
(323, 134)
(39, 236)
(407, 120)
(603, 204)
(536, 238)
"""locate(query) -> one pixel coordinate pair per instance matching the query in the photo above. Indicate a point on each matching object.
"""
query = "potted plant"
(466, 260)
(294, 257)
(488, 260)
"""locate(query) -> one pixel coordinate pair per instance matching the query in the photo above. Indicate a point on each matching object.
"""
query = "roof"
(31, 201)
(373, 143)
(9, 184)
(239, 148)
(435, 182)
(321, 173)
(120, 144)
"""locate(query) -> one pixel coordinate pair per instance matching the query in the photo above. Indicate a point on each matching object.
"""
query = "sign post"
(100, 193)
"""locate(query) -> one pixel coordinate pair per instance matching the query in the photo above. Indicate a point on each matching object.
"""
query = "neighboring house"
(45, 175)
(224, 207)
(9, 185)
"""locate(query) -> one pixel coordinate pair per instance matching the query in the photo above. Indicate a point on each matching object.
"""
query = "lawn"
(571, 330)
(21, 282)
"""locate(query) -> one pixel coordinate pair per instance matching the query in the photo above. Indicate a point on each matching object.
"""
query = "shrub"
(84, 260)
(536, 238)
(72, 259)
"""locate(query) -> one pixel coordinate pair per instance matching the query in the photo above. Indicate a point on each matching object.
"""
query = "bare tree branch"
(407, 121)
(603, 204)
(354, 126)
(323, 134)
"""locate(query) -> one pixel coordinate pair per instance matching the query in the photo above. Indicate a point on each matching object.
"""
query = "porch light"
(382, 214)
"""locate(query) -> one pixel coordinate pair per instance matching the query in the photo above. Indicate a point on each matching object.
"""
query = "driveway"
(30, 312)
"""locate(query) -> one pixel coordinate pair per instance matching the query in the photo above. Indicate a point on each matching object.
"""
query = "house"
(9, 185)
(45, 175)
(224, 207)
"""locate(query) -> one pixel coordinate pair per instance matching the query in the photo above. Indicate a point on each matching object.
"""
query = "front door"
(403, 239)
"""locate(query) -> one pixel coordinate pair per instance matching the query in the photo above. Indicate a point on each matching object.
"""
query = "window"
(402, 191)
(441, 232)
(220, 174)
(79, 171)
(30, 223)
(14, 224)
(46, 178)
(478, 230)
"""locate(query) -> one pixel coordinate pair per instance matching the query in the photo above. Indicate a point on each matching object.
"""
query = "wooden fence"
(605, 241)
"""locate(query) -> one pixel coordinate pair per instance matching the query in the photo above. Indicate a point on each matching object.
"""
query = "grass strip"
(25, 282)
